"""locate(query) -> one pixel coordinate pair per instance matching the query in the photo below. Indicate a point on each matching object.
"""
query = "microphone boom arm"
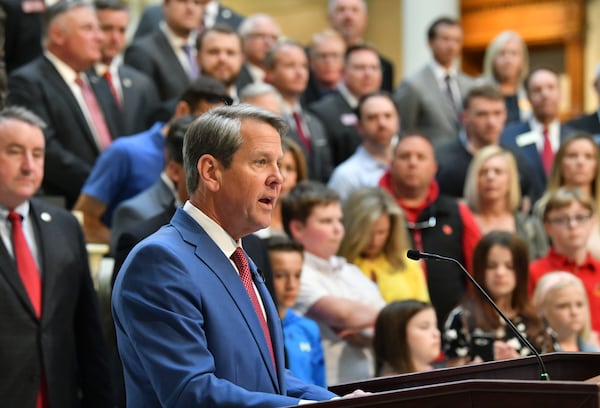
(413, 254)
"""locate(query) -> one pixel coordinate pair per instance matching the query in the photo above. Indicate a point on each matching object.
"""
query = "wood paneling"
(557, 24)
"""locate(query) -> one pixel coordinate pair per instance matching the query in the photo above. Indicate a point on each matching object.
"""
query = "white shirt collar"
(347, 95)
(220, 237)
(440, 72)
(68, 74)
(176, 42)
(553, 133)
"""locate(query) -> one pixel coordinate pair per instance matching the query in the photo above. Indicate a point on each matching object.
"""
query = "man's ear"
(296, 229)
(182, 109)
(209, 171)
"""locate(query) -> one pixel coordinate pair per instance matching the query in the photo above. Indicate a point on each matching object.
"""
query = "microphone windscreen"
(413, 254)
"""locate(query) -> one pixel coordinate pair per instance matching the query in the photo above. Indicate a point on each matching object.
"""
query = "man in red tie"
(52, 350)
(56, 88)
(540, 137)
(287, 71)
(133, 92)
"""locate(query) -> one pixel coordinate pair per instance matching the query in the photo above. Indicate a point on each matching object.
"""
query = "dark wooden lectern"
(503, 384)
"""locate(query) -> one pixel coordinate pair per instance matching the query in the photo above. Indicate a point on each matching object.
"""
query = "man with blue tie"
(195, 323)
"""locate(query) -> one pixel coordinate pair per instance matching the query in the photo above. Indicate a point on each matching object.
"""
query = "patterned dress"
(463, 339)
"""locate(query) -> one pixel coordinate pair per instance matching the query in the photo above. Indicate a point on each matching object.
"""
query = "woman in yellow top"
(376, 241)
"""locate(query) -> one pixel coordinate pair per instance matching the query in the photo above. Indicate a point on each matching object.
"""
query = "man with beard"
(220, 56)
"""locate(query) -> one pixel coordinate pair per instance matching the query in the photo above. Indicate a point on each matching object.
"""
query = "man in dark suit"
(362, 75)
(167, 54)
(258, 32)
(590, 123)
(430, 101)
(54, 86)
(540, 137)
(134, 93)
(23, 31)
(287, 71)
(483, 118)
(349, 18)
(52, 350)
(220, 57)
(214, 13)
(215, 313)
(326, 59)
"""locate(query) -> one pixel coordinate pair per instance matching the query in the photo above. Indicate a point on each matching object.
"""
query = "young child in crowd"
(333, 292)
(302, 338)
(407, 338)
(473, 331)
(560, 298)
(568, 221)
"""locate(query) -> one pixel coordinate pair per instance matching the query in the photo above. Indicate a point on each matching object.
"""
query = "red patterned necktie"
(108, 77)
(28, 270)
(547, 153)
(32, 281)
(304, 138)
(241, 262)
(104, 137)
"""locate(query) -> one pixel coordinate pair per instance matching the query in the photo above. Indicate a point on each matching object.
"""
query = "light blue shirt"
(359, 170)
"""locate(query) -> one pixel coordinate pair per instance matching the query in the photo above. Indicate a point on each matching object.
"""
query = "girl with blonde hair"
(376, 241)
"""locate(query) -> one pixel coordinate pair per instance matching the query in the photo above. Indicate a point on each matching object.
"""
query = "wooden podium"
(575, 382)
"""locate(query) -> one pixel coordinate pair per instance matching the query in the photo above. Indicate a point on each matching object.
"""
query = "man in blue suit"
(190, 333)
(539, 138)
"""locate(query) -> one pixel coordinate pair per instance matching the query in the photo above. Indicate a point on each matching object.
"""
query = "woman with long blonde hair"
(376, 241)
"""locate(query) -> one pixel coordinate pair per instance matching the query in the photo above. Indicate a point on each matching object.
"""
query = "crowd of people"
(259, 197)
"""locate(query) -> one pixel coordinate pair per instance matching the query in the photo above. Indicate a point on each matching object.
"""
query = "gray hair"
(59, 8)
(331, 5)
(247, 25)
(256, 89)
(271, 57)
(22, 115)
(217, 132)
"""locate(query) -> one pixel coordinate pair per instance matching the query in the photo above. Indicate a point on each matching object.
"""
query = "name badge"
(348, 119)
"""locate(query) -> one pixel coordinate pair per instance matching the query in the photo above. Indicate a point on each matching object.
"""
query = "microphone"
(416, 255)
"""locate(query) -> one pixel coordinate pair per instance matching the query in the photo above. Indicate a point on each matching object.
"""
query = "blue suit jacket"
(530, 154)
(187, 331)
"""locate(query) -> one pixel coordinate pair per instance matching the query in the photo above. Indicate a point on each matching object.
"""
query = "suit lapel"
(8, 270)
(211, 255)
(108, 105)
(65, 96)
(431, 84)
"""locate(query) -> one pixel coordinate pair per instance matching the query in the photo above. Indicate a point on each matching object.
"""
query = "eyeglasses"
(430, 223)
(567, 221)
(263, 36)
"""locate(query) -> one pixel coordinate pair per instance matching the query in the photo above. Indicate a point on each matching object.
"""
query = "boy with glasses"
(567, 219)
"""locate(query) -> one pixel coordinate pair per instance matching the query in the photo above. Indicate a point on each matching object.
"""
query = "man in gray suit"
(430, 100)
(168, 54)
(287, 71)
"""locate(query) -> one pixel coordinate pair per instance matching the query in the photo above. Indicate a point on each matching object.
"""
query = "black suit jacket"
(339, 119)
(23, 35)
(152, 15)
(318, 160)
(71, 149)
(387, 74)
(588, 123)
(153, 55)
(140, 101)
(67, 344)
